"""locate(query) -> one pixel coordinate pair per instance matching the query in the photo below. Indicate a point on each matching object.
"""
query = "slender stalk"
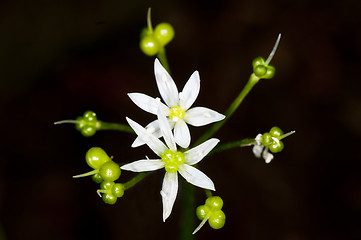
(163, 59)
(114, 126)
(135, 180)
(188, 213)
(286, 135)
(226, 146)
(237, 101)
(149, 21)
(273, 50)
(95, 171)
(67, 121)
(208, 193)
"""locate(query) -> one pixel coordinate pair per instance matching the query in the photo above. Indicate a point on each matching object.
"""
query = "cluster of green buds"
(105, 172)
(272, 140)
(211, 212)
(152, 42)
(262, 69)
(87, 124)
(269, 141)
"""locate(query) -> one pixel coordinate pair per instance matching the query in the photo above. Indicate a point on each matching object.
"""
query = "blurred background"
(61, 58)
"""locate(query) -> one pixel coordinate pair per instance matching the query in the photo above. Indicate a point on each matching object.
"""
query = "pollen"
(176, 113)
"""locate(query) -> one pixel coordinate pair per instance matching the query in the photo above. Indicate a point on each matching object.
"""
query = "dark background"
(61, 58)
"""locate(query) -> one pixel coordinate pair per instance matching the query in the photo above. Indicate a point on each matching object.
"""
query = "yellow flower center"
(172, 160)
(176, 113)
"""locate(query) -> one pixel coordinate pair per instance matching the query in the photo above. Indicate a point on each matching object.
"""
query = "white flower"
(172, 160)
(260, 150)
(177, 107)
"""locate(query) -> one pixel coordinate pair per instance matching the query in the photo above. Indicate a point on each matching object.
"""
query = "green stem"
(114, 126)
(208, 193)
(237, 101)
(187, 219)
(226, 146)
(135, 180)
(163, 59)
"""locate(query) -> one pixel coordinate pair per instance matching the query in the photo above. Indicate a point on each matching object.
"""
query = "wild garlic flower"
(261, 151)
(172, 160)
(176, 108)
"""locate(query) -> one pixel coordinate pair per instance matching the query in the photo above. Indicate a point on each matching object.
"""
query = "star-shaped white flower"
(177, 107)
(172, 160)
(260, 150)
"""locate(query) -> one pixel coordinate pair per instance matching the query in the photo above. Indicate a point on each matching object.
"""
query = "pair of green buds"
(154, 41)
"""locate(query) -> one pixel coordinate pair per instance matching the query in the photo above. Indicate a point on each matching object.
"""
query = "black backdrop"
(60, 58)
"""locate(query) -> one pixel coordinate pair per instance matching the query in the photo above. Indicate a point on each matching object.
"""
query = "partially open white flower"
(172, 160)
(177, 107)
(260, 150)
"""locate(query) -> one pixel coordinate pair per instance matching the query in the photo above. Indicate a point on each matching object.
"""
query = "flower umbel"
(176, 108)
(172, 160)
(269, 141)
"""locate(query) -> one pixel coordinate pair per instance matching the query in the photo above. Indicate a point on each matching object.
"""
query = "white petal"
(154, 143)
(267, 156)
(200, 116)
(190, 91)
(166, 86)
(144, 165)
(181, 134)
(257, 150)
(258, 139)
(169, 193)
(196, 154)
(166, 131)
(153, 128)
(145, 102)
(195, 177)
